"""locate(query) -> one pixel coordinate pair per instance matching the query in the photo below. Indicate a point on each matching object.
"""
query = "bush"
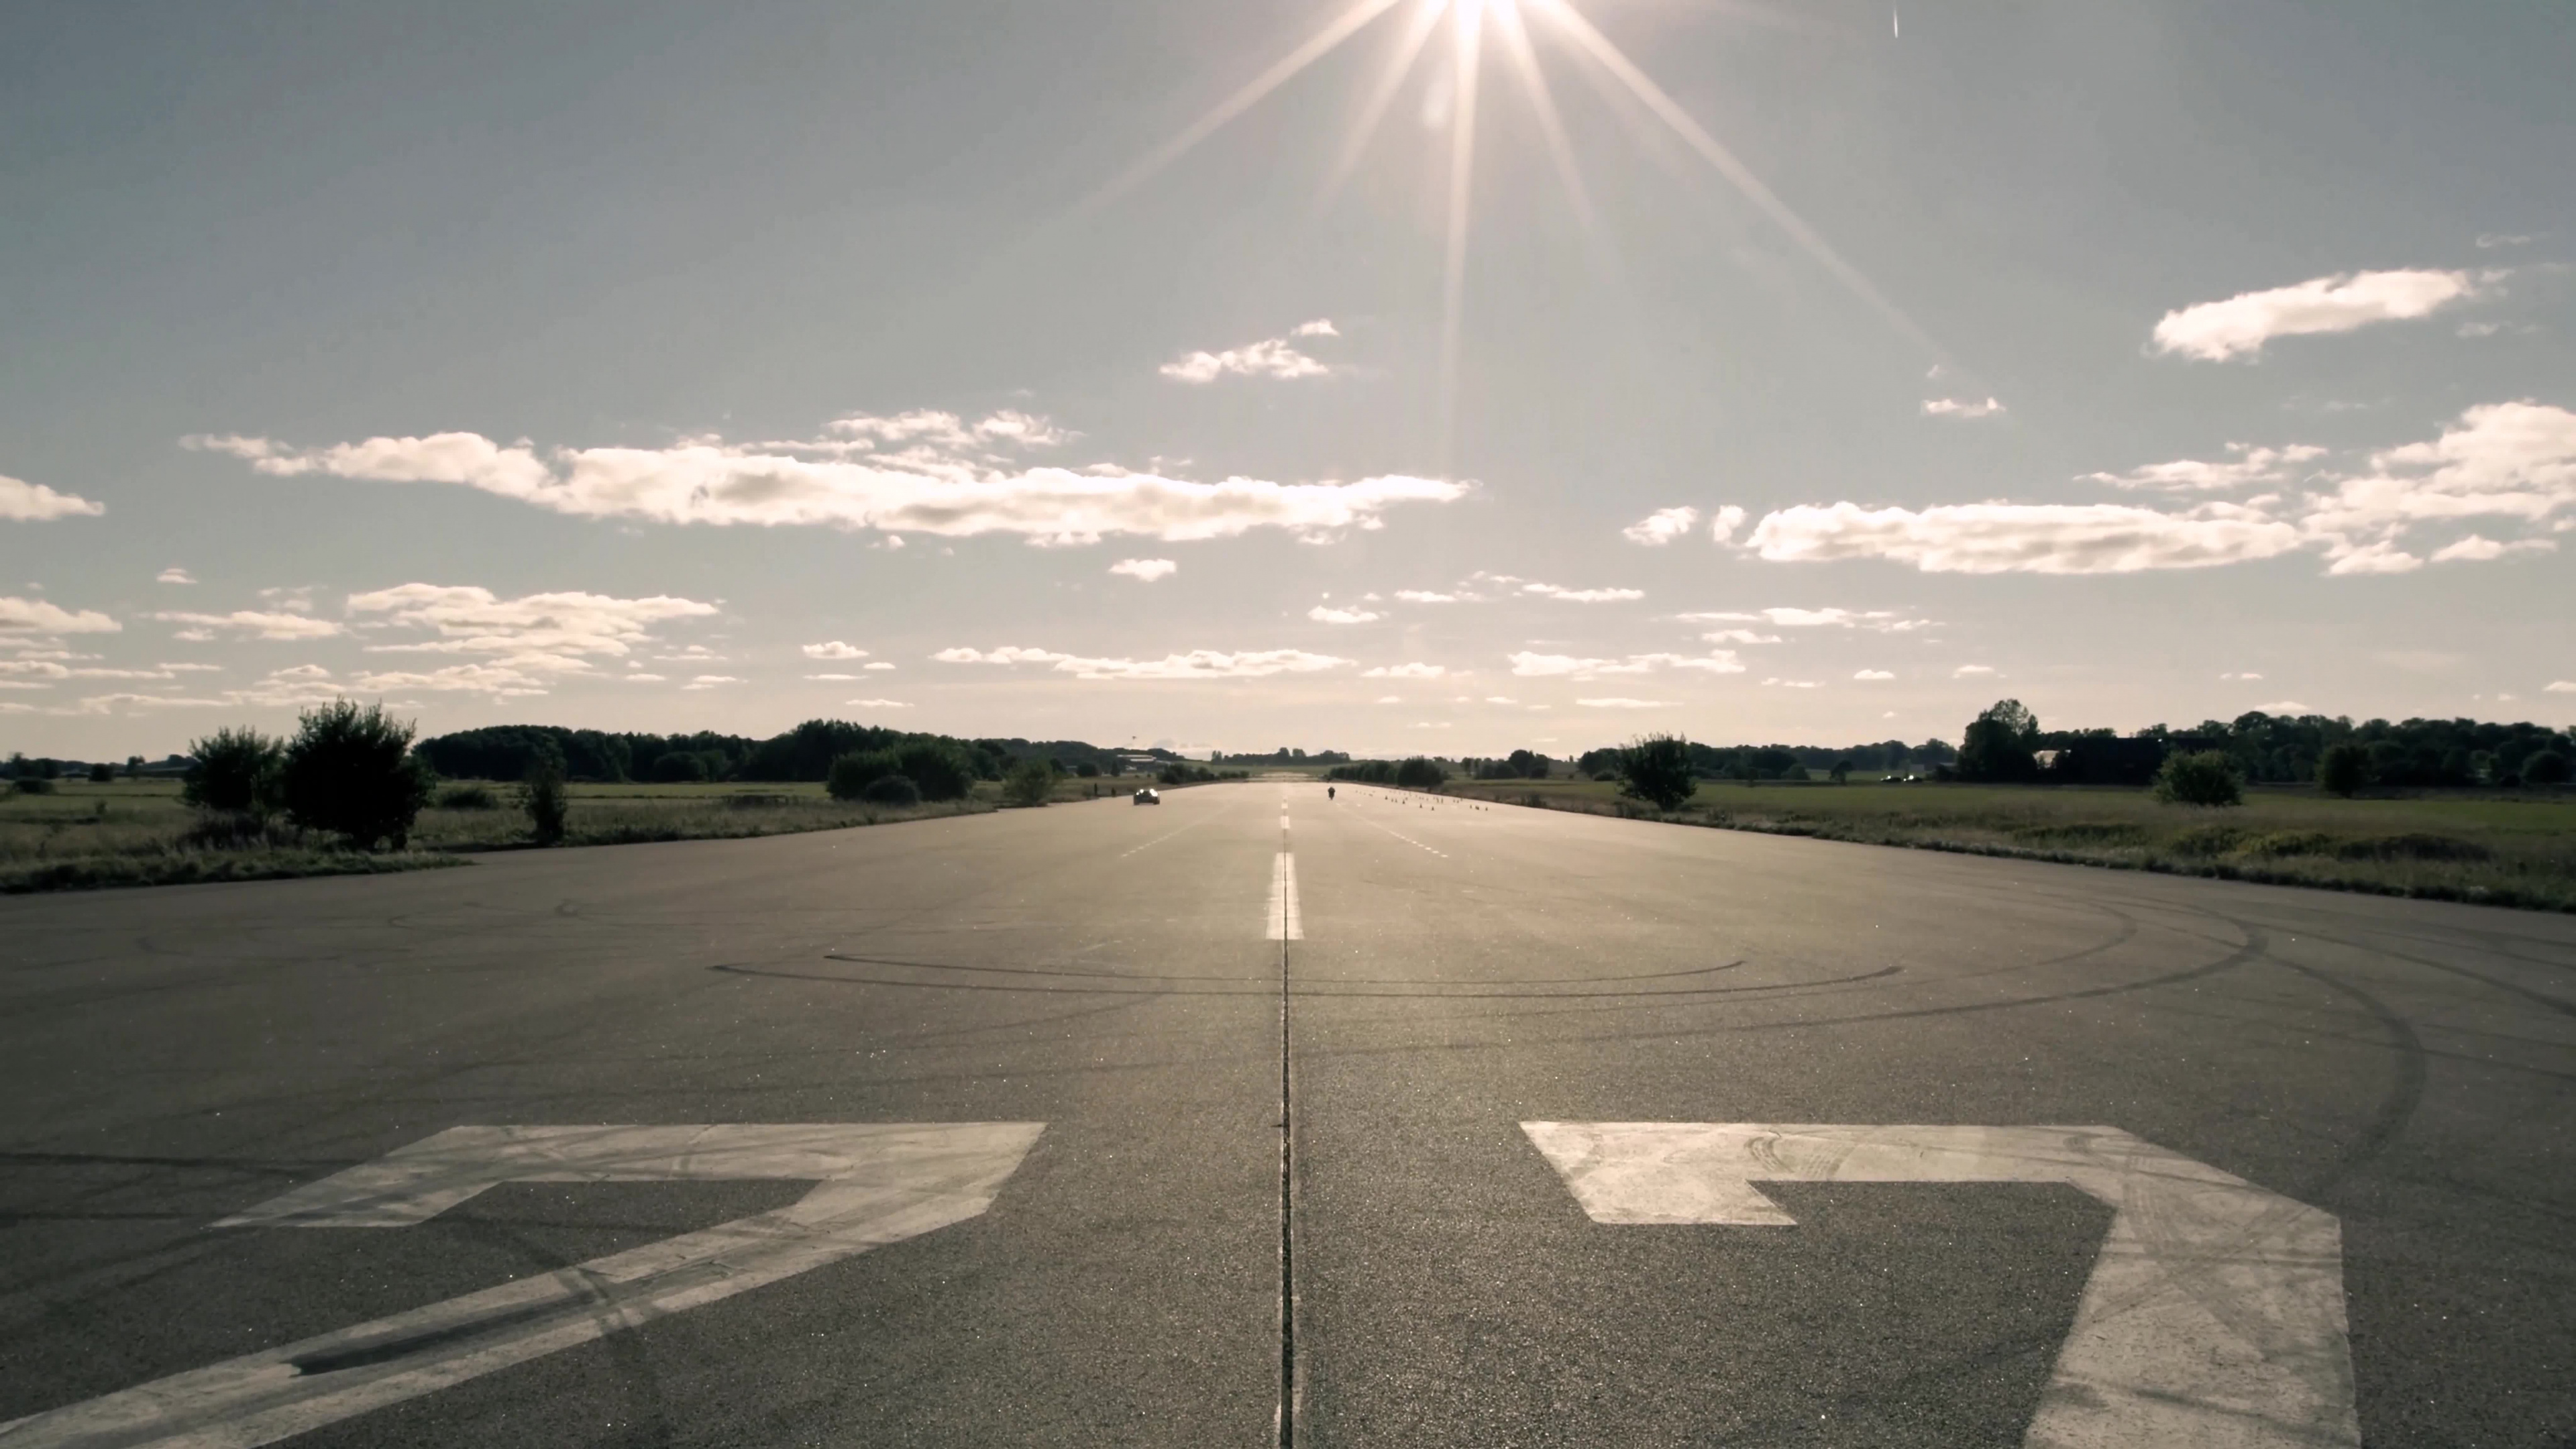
(2343, 769)
(236, 772)
(542, 796)
(891, 790)
(2548, 767)
(852, 774)
(468, 797)
(1657, 770)
(679, 769)
(1419, 773)
(1087, 770)
(34, 785)
(1028, 784)
(349, 771)
(102, 774)
(2206, 778)
(938, 767)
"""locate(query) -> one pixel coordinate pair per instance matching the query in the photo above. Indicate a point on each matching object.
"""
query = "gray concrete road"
(2312, 1182)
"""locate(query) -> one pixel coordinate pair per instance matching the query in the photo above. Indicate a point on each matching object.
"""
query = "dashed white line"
(1285, 924)
(1409, 840)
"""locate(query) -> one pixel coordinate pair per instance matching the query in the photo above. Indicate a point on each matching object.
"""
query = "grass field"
(136, 832)
(2513, 849)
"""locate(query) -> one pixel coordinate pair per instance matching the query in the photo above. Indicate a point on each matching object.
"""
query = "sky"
(1394, 377)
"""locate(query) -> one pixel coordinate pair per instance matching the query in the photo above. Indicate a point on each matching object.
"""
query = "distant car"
(1147, 796)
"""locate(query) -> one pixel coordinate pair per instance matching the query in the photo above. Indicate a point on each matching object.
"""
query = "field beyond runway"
(970, 1132)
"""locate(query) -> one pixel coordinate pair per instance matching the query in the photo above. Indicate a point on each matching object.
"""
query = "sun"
(1513, 27)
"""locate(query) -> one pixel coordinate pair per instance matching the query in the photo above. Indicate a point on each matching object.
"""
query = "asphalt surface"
(169, 1058)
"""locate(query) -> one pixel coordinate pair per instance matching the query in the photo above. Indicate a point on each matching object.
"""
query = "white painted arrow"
(2214, 1316)
(874, 1184)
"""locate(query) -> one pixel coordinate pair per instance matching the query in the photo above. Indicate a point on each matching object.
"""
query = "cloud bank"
(1197, 664)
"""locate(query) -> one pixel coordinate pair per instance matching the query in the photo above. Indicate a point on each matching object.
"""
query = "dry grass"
(2497, 848)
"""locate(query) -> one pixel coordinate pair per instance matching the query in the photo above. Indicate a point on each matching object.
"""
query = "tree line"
(806, 753)
(2005, 743)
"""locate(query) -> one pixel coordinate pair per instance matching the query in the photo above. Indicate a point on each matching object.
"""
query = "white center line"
(1284, 922)
(1409, 840)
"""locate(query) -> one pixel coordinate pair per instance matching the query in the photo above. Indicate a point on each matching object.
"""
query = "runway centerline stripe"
(1285, 922)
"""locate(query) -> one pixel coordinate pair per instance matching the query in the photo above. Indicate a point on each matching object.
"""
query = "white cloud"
(1661, 526)
(711, 681)
(943, 481)
(835, 649)
(2488, 240)
(879, 664)
(250, 624)
(1390, 699)
(1872, 674)
(2501, 460)
(1197, 664)
(1885, 621)
(1974, 671)
(2251, 467)
(24, 502)
(1405, 671)
(1952, 407)
(2045, 538)
(1326, 614)
(876, 704)
(174, 576)
(1583, 596)
(2283, 706)
(1500, 699)
(1792, 683)
(551, 632)
(296, 600)
(36, 616)
(1619, 702)
(2240, 325)
(2559, 686)
(2382, 557)
(1272, 357)
(1738, 636)
(2242, 675)
(2477, 548)
(1145, 570)
(1530, 665)
(502, 681)
(1425, 596)
(1721, 529)
(646, 678)
(836, 678)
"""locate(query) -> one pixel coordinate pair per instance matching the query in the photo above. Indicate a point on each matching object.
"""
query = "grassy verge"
(2506, 849)
(136, 832)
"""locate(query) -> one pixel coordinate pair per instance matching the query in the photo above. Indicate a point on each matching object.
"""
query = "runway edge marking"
(2214, 1315)
(875, 1184)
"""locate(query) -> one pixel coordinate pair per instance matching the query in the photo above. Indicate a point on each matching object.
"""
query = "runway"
(1018, 1129)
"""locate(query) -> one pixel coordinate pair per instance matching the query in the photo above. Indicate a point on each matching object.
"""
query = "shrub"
(236, 771)
(350, 771)
(2206, 778)
(1028, 784)
(852, 774)
(938, 767)
(102, 773)
(542, 796)
(679, 769)
(2343, 769)
(1087, 770)
(1657, 770)
(891, 790)
(1419, 773)
(468, 797)
(2548, 767)
(34, 785)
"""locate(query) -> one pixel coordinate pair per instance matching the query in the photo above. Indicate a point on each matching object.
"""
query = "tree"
(2206, 777)
(1657, 769)
(2343, 768)
(350, 771)
(236, 771)
(1842, 770)
(542, 796)
(102, 773)
(1999, 743)
(1419, 773)
(2548, 767)
(853, 773)
(1029, 784)
(939, 767)
(133, 767)
(678, 767)
(891, 790)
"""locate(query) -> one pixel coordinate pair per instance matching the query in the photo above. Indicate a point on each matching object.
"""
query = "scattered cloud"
(2240, 676)
(502, 681)
(711, 681)
(1390, 699)
(1197, 664)
(1425, 596)
(2242, 324)
(2251, 467)
(876, 704)
(1583, 596)
(1327, 614)
(1500, 699)
(833, 649)
(2559, 686)
(879, 664)
(2491, 240)
(37, 616)
(1661, 526)
(1530, 665)
(1276, 358)
(1721, 529)
(944, 477)
(1738, 636)
(1974, 671)
(249, 624)
(1952, 407)
(1145, 570)
(174, 576)
(2044, 538)
(552, 631)
(24, 502)
(2283, 706)
(835, 678)
(2477, 548)
(2512, 460)
(1872, 674)
(1621, 702)
(1405, 671)
(1792, 683)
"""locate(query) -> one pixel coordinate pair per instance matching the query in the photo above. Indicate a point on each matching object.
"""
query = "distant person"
(1328, 792)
